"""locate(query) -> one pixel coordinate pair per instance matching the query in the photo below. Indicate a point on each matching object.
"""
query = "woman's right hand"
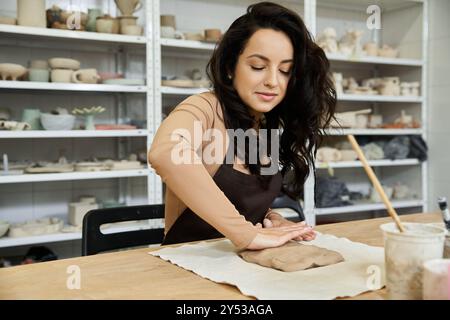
(276, 236)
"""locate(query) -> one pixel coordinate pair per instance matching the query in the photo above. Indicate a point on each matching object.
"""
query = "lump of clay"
(292, 256)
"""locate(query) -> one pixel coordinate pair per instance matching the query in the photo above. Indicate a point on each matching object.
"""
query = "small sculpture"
(14, 125)
(350, 44)
(387, 51)
(327, 40)
(89, 114)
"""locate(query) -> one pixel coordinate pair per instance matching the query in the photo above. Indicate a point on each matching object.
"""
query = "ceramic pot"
(168, 20)
(132, 30)
(93, 14)
(11, 71)
(85, 76)
(128, 7)
(33, 118)
(31, 13)
(390, 86)
(61, 75)
(39, 75)
(8, 20)
(107, 24)
(213, 35)
(127, 21)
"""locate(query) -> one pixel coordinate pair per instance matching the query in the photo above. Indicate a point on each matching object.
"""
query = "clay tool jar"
(406, 245)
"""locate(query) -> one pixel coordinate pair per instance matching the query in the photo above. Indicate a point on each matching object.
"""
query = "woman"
(267, 73)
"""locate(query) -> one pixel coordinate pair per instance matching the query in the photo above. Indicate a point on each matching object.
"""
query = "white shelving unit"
(159, 57)
(26, 85)
(41, 194)
(180, 54)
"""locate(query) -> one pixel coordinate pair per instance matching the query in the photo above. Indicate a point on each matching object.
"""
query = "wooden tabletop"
(134, 274)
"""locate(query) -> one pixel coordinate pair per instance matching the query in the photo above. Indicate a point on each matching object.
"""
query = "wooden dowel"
(376, 183)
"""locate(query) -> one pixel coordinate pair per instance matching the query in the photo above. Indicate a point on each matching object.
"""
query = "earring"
(229, 76)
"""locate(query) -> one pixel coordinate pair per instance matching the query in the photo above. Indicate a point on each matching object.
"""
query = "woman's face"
(263, 70)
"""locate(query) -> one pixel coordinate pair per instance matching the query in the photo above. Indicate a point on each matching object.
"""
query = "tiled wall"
(438, 101)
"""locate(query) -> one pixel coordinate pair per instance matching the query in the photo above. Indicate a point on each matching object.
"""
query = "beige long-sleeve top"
(191, 184)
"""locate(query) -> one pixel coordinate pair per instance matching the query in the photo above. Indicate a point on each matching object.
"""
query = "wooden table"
(134, 274)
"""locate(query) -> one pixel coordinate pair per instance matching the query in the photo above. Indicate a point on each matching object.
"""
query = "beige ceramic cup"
(61, 75)
(85, 76)
(132, 30)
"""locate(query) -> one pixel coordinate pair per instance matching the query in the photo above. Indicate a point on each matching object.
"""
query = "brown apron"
(245, 193)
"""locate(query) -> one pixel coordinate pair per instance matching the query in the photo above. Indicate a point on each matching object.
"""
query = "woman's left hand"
(274, 219)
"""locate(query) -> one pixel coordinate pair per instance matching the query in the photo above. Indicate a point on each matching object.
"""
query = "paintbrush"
(376, 183)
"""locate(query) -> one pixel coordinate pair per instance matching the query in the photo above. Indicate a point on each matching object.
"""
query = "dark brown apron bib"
(245, 193)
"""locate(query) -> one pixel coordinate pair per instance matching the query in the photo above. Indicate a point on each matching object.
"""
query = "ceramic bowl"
(64, 63)
(4, 226)
(57, 122)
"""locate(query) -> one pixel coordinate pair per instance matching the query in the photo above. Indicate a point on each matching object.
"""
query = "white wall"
(438, 101)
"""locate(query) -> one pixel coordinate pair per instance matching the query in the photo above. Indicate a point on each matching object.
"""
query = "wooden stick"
(376, 183)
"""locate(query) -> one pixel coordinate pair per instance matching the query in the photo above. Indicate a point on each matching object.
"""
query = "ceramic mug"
(39, 75)
(33, 118)
(127, 21)
(132, 30)
(61, 75)
(85, 76)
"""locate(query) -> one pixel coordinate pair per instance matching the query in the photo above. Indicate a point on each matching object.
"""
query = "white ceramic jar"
(31, 13)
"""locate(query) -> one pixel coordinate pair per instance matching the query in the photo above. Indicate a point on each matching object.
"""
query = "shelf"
(182, 91)
(361, 5)
(200, 45)
(372, 163)
(368, 207)
(378, 98)
(343, 97)
(376, 60)
(35, 134)
(187, 44)
(367, 132)
(58, 237)
(72, 35)
(28, 85)
(46, 177)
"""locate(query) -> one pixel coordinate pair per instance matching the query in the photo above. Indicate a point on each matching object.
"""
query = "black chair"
(284, 201)
(94, 241)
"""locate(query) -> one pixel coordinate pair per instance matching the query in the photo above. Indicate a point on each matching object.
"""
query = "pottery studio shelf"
(48, 177)
(36, 134)
(66, 236)
(376, 60)
(200, 45)
(372, 163)
(344, 97)
(49, 86)
(71, 35)
(182, 91)
(375, 132)
(361, 207)
(379, 98)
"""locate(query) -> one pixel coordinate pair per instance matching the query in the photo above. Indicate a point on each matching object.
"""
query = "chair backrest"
(94, 241)
(284, 201)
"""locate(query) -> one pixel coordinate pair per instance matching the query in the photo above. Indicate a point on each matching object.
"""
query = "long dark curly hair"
(310, 99)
